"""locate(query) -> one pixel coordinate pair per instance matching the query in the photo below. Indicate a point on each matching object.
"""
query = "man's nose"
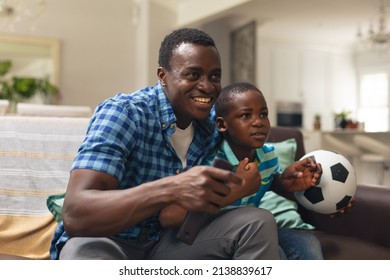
(205, 84)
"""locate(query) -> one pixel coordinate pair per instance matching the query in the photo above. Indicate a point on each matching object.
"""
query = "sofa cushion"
(340, 247)
(286, 151)
(36, 154)
(54, 204)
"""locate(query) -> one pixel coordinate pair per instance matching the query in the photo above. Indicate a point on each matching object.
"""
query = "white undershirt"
(181, 141)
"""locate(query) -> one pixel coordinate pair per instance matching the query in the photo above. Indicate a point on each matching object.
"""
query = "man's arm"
(172, 216)
(94, 206)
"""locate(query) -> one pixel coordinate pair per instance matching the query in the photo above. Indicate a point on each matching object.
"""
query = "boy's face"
(246, 126)
(193, 83)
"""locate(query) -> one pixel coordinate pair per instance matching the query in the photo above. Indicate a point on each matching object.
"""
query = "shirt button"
(177, 171)
(164, 125)
(172, 125)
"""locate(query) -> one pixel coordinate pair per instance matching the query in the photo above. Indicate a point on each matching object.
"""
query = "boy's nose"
(257, 121)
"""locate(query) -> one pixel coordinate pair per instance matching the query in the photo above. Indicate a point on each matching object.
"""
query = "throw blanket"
(36, 154)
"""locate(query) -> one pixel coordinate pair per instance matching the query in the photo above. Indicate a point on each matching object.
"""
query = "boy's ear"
(220, 124)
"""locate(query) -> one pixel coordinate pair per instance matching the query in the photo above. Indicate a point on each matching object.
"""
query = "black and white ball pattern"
(337, 186)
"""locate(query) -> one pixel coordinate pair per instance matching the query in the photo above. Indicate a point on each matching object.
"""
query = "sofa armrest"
(369, 218)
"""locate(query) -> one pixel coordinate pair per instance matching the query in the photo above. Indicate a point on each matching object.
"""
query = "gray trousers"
(246, 233)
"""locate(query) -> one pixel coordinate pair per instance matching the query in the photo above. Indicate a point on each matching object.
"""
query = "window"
(374, 102)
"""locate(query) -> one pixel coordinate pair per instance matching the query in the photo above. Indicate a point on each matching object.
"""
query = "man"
(142, 153)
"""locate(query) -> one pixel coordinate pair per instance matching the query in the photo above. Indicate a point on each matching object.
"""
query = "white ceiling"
(328, 22)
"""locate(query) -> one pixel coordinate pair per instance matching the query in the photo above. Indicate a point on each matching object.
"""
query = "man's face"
(193, 83)
(246, 125)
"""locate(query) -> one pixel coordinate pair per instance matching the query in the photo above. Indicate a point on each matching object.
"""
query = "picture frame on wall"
(243, 53)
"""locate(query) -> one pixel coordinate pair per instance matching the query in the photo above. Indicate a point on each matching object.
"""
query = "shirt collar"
(167, 116)
(231, 157)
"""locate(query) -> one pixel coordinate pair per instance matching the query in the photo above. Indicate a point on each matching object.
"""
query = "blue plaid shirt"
(268, 166)
(128, 138)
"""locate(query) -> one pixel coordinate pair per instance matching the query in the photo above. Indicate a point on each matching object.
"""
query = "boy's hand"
(301, 175)
(345, 210)
(251, 175)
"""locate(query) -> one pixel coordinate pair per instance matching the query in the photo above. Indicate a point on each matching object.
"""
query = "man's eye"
(215, 77)
(193, 75)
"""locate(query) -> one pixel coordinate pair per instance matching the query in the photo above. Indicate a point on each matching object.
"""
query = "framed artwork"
(243, 53)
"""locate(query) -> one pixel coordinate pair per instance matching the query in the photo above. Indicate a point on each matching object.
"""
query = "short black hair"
(227, 96)
(177, 37)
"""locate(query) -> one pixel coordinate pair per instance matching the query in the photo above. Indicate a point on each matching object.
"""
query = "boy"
(242, 119)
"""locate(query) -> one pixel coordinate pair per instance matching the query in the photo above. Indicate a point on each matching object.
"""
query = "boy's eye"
(245, 116)
(264, 115)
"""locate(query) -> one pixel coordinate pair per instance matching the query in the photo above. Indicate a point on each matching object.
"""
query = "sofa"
(361, 234)
(36, 154)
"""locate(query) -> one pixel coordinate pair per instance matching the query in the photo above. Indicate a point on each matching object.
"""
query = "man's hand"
(207, 189)
(204, 188)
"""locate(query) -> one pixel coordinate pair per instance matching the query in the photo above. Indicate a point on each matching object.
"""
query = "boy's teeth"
(202, 99)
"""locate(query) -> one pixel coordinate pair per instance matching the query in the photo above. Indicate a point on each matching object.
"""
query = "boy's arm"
(298, 176)
(277, 187)
(252, 182)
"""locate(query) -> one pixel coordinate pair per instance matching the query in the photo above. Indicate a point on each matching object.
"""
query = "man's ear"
(161, 74)
(220, 123)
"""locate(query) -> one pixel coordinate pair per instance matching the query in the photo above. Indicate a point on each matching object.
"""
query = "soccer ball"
(336, 188)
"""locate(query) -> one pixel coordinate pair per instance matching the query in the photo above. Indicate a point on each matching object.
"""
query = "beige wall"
(112, 46)
(97, 47)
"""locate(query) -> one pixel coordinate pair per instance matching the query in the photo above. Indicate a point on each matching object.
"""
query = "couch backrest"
(280, 133)
(36, 154)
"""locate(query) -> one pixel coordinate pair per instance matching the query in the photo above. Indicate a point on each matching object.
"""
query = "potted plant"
(16, 89)
(317, 122)
(341, 119)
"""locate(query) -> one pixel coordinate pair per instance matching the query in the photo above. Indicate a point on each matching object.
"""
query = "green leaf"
(25, 87)
(21, 88)
(5, 65)
(5, 91)
(47, 88)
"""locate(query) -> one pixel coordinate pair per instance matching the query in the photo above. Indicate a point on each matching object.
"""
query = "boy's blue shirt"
(268, 165)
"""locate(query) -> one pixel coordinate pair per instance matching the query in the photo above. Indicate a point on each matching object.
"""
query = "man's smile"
(204, 100)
